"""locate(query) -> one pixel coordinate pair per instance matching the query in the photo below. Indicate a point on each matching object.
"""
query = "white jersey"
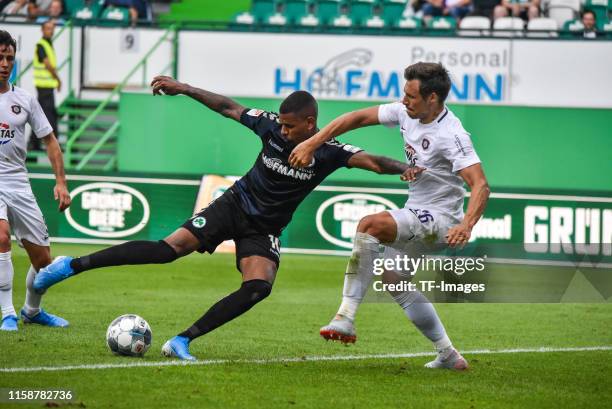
(16, 108)
(443, 147)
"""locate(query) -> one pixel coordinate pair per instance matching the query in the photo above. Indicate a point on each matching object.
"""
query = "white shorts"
(419, 231)
(21, 211)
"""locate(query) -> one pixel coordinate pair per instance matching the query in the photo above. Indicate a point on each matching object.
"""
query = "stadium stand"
(402, 17)
(344, 16)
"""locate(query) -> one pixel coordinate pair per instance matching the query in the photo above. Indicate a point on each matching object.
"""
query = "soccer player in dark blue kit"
(253, 212)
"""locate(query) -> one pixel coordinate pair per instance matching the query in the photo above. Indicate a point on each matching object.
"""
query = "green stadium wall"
(521, 148)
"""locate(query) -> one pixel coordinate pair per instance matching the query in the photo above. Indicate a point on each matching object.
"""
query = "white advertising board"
(110, 54)
(522, 72)
(562, 73)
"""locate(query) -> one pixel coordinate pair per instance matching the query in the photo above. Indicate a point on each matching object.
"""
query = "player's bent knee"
(5, 243)
(367, 224)
(182, 241)
(380, 225)
(257, 290)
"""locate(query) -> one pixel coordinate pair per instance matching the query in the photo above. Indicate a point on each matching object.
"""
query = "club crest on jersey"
(255, 112)
(199, 222)
(6, 133)
(16, 109)
(425, 144)
(410, 155)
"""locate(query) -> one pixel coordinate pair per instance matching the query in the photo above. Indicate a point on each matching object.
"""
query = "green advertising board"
(525, 227)
(107, 209)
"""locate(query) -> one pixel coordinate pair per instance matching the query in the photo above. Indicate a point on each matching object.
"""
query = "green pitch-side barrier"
(522, 148)
(560, 227)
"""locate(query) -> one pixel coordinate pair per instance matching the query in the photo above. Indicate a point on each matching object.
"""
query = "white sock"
(32, 300)
(359, 273)
(424, 316)
(6, 284)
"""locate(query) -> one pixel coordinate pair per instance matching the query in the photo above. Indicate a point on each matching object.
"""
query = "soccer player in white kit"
(442, 158)
(19, 211)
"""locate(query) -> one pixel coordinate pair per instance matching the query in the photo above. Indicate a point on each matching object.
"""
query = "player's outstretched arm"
(301, 155)
(218, 103)
(479, 195)
(54, 152)
(384, 166)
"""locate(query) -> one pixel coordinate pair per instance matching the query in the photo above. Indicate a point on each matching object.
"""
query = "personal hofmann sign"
(358, 67)
(550, 226)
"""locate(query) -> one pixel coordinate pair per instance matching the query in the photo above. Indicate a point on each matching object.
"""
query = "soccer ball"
(129, 335)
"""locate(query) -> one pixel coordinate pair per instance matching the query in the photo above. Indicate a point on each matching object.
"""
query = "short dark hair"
(584, 13)
(47, 21)
(6, 39)
(300, 102)
(433, 78)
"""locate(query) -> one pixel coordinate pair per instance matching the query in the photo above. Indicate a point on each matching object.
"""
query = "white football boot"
(446, 360)
(339, 329)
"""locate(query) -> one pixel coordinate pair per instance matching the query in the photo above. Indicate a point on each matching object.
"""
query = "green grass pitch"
(305, 296)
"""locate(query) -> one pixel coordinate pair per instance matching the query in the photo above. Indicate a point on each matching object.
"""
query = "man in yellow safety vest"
(46, 79)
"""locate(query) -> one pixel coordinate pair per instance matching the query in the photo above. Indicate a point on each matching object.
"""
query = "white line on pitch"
(301, 359)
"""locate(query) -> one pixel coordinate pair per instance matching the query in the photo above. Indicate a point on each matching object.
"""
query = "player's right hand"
(458, 235)
(60, 192)
(162, 84)
(411, 174)
(301, 156)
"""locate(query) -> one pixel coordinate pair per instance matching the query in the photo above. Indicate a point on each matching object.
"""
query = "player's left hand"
(458, 235)
(60, 192)
(301, 156)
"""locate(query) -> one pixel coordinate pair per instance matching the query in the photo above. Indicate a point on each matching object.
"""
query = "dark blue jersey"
(271, 190)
